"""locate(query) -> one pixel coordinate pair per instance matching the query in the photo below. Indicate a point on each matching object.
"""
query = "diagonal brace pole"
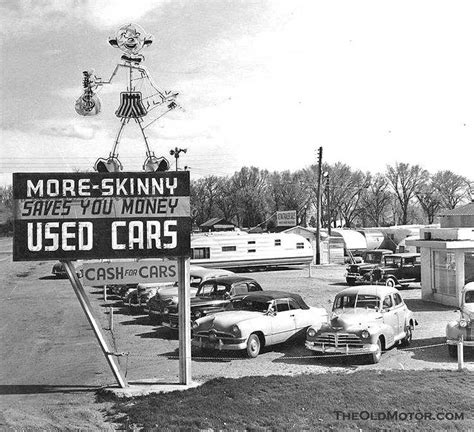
(86, 306)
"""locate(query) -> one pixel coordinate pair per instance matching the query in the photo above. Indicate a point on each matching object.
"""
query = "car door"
(402, 311)
(283, 321)
(390, 319)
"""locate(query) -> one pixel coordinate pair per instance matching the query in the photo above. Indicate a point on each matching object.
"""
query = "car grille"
(173, 319)
(214, 334)
(339, 340)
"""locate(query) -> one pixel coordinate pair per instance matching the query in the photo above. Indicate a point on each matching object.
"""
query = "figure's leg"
(112, 164)
(152, 163)
(119, 135)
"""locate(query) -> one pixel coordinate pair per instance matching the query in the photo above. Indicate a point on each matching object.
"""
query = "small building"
(447, 255)
(217, 224)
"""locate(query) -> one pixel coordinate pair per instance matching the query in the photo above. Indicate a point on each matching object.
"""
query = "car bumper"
(219, 344)
(468, 343)
(345, 349)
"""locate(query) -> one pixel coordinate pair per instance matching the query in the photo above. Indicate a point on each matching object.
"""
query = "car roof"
(270, 295)
(379, 290)
(388, 251)
(230, 279)
(405, 254)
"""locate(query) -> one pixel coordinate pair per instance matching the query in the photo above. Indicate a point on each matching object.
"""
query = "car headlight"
(235, 330)
(197, 314)
(365, 334)
(311, 332)
(462, 323)
(166, 310)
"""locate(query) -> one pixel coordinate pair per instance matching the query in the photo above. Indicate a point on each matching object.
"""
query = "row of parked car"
(233, 312)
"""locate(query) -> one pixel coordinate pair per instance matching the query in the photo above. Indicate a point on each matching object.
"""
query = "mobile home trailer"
(234, 249)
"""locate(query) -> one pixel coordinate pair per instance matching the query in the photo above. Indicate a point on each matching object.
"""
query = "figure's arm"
(99, 81)
(166, 96)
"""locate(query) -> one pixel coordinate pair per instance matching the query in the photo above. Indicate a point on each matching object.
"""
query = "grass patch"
(310, 402)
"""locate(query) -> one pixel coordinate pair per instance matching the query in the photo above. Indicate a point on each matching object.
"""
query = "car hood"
(355, 318)
(225, 320)
(468, 309)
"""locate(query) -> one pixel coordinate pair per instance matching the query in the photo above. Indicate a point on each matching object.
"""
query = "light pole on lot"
(175, 152)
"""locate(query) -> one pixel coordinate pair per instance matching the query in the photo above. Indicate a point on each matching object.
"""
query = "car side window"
(293, 305)
(282, 305)
(387, 302)
(253, 287)
(397, 299)
(239, 289)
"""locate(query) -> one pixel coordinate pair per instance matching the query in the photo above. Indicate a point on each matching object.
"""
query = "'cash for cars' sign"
(124, 272)
(286, 218)
(73, 216)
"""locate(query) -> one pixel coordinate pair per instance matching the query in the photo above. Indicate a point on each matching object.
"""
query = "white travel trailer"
(234, 249)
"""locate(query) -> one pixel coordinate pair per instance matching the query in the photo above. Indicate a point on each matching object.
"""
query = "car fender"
(453, 331)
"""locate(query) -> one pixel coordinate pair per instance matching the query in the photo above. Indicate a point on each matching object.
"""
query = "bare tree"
(376, 201)
(452, 188)
(406, 180)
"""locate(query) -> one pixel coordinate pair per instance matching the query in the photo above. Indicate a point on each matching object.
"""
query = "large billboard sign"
(72, 216)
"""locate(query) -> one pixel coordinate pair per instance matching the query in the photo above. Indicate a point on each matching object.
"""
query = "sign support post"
(86, 306)
(184, 321)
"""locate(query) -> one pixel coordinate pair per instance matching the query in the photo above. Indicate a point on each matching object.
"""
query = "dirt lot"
(51, 363)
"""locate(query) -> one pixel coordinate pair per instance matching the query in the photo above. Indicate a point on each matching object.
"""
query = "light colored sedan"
(254, 320)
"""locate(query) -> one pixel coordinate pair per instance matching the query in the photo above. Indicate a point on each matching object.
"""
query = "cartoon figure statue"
(141, 96)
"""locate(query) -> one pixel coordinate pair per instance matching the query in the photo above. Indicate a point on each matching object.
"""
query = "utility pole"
(318, 208)
(328, 200)
(176, 153)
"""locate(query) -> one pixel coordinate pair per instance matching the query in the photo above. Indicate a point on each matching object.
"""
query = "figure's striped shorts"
(131, 105)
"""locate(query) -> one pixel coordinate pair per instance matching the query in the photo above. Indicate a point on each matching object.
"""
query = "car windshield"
(356, 301)
(469, 297)
(372, 258)
(248, 305)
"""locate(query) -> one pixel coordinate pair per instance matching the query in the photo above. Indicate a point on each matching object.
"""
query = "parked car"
(398, 270)
(255, 320)
(363, 272)
(463, 327)
(59, 270)
(212, 296)
(367, 319)
(157, 303)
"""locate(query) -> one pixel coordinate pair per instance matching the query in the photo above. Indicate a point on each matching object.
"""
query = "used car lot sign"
(72, 216)
(126, 272)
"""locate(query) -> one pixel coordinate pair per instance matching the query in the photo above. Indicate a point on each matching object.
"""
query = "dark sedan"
(212, 296)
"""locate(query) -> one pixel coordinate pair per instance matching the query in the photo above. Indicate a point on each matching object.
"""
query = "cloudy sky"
(262, 83)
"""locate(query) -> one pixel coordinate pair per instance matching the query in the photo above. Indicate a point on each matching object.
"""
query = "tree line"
(403, 194)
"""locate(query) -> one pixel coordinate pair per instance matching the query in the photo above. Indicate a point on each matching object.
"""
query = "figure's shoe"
(154, 164)
(111, 164)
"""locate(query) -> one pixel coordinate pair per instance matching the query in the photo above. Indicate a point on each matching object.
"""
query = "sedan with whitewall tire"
(365, 320)
(256, 320)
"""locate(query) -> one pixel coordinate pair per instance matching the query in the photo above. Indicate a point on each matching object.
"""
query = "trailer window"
(201, 253)
(229, 248)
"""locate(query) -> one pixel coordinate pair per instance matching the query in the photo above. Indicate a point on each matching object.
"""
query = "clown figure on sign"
(141, 97)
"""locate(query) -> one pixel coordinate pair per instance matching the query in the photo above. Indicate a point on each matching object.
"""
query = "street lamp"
(176, 153)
